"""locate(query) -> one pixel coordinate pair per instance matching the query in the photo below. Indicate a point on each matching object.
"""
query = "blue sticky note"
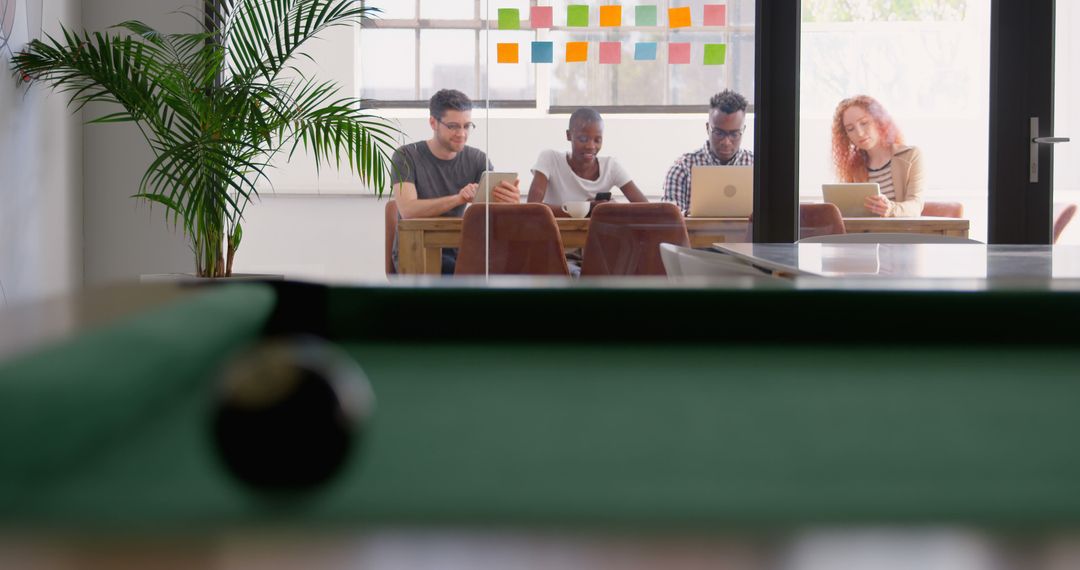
(543, 52)
(645, 51)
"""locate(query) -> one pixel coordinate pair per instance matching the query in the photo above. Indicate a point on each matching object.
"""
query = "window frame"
(540, 101)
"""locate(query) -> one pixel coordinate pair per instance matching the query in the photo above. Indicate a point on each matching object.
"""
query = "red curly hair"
(850, 162)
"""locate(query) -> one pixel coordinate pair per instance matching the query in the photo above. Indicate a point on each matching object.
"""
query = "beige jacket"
(908, 182)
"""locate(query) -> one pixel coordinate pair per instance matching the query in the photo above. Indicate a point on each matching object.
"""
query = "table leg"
(433, 260)
(411, 252)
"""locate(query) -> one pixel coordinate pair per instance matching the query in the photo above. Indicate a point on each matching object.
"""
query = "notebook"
(850, 198)
(721, 191)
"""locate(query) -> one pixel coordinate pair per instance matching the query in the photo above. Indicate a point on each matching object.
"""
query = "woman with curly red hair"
(867, 147)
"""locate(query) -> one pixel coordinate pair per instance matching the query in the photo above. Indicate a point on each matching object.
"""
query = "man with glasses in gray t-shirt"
(439, 176)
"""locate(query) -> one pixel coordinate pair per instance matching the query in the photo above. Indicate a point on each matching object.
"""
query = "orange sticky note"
(678, 17)
(577, 51)
(507, 53)
(610, 16)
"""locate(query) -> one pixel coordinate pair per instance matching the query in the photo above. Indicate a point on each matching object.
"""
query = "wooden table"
(922, 225)
(420, 240)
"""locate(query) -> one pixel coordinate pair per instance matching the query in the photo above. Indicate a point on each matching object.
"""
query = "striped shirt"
(883, 177)
(677, 182)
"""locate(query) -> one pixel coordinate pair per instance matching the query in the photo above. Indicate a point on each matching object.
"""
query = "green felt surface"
(112, 427)
(666, 435)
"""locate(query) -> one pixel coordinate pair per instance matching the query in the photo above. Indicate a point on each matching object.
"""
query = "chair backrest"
(883, 237)
(519, 239)
(819, 220)
(624, 239)
(943, 209)
(1063, 214)
(391, 215)
(685, 262)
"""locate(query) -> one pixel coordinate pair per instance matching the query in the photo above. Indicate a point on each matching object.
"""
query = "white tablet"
(488, 181)
(851, 198)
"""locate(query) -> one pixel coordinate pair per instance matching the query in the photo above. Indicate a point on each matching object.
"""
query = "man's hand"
(468, 193)
(507, 193)
(879, 205)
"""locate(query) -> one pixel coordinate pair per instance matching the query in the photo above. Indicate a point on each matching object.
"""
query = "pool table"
(638, 408)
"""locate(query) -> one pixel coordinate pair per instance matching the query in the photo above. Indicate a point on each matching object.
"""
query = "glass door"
(895, 94)
(1066, 189)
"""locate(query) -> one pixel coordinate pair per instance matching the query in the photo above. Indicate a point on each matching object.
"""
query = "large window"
(452, 44)
(928, 63)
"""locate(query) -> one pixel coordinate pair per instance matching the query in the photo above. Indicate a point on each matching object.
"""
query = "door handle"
(1036, 140)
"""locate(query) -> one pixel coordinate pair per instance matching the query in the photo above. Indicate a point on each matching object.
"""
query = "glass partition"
(1066, 124)
(637, 79)
(926, 65)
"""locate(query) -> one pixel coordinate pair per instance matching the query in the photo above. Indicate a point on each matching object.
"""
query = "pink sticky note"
(678, 53)
(540, 17)
(610, 52)
(715, 14)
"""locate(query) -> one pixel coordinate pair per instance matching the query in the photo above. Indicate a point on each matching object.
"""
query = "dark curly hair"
(728, 102)
(447, 100)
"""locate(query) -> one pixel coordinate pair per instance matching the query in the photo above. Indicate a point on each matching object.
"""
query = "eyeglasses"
(456, 127)
(721, 134)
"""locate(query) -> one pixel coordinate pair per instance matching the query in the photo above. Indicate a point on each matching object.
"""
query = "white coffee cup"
(576, 209)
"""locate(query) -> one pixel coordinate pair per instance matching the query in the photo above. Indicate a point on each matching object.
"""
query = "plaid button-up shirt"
(677, 182)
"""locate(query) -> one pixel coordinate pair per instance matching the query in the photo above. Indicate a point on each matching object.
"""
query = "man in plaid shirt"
(725, 128)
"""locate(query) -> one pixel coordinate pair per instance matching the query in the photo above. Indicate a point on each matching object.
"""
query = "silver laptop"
(721, 191)
(851, 198)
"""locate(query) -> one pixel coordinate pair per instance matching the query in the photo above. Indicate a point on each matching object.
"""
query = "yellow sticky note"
(610, 16)
(507, 53)
(679, 17)
(577, 51)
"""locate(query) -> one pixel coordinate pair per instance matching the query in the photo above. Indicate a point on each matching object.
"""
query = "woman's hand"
(879, 205)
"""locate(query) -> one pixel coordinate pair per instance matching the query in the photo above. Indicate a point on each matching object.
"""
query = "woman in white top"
(560, 177)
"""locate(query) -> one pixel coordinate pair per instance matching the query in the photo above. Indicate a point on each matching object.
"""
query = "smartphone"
(488, 181)
(603, 196)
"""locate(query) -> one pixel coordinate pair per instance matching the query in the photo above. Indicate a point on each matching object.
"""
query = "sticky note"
(645, 51)
(679, 17)
(610, 16)
(509, 19)
(577, 51)
(577, 16)
(543, 52)
(610, 52)
(678, 53)
(540, 17)
(715, 54)
(645, 15)
(715, 15)
(507, 53)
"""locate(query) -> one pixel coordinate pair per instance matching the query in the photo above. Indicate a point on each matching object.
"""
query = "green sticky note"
(715, 54)
(577, 16)
(645, 15)
(509, 19)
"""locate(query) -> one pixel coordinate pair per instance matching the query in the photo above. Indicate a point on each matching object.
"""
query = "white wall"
(40, 181)
(125, 237)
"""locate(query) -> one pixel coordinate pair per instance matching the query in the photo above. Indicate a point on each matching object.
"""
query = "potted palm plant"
(218, 105)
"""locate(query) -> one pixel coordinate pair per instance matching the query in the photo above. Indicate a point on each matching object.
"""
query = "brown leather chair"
(624, 239)
(943, 209)
(1063, 214)
(524, 240)
(820, 220)
(391, 215)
